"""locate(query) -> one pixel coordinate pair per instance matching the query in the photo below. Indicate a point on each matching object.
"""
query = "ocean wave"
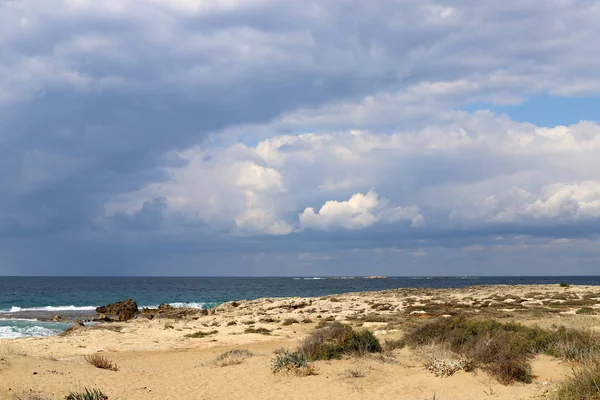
(14, 332)
(16, 309)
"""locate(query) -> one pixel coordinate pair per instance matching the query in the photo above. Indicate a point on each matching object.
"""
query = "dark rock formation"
(125, 310)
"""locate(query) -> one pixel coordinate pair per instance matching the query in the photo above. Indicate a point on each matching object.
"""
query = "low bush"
(503, 349)
(393, 344)
(289, 321)
(336, 339)
(586, 310)
(584, 383)
(200, 334)
(87, 394)
(99, 361)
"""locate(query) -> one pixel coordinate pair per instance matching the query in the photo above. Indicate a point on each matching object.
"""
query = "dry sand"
(157, 361)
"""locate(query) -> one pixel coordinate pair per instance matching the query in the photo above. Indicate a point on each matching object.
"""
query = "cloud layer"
(152, 133)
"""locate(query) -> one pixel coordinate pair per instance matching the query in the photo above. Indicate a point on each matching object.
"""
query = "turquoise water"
(59, 295)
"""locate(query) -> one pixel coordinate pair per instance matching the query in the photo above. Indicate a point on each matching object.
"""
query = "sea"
(27, 304)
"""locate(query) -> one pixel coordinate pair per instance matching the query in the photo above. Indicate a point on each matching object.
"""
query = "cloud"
(360, 211)
(218, 125)
(568, 202)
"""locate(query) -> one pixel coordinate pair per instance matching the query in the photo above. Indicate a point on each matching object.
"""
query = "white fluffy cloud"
(567, 202)
(360, 211)
(477, 169)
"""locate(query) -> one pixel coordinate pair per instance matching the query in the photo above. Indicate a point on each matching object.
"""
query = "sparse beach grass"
(232, 357)
(200, 334)
(101, 362)
(87, 394)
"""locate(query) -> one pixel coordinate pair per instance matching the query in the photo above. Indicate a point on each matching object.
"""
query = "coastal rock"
(76, 327)
(57, 318)
(126, 310)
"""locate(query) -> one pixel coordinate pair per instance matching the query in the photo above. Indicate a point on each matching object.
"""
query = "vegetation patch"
(200, 334)
(444, 367)
(503, 349)
(289, 321)
(261, 331)
(584, 383)
(232, 357)
(292, 362)
(393, 344)
(101, 362)
(586, 311)
(334, 340)
(87, 394)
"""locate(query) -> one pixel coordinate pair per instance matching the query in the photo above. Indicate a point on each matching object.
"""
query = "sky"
(299, 138)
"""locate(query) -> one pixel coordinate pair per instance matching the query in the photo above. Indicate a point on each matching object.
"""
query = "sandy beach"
(156, 360)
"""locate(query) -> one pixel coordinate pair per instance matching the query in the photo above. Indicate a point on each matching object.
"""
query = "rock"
(102, 318)
(126, 315)
(77, 326)
(126, 310)
(57, 318)
(164, 307)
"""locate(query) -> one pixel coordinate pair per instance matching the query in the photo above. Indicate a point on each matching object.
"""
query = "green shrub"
(336, 339)
(87, 394)
(292, 362)
(502, 349)
(574, 344)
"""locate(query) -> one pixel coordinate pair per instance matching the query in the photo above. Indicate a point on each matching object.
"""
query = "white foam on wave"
(16, 309)
(14, 332)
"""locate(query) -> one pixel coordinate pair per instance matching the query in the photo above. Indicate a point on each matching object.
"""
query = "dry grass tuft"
(261, 331)
(584, 383)
(393, 344)
(87, 394)
(101, 362)
(200, 334)
(232, 357)
(354, 373)
(30, 396)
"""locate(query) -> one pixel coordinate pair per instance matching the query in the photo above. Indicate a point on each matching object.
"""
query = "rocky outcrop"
(168, 311)
(125, 310)
(76, 327)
